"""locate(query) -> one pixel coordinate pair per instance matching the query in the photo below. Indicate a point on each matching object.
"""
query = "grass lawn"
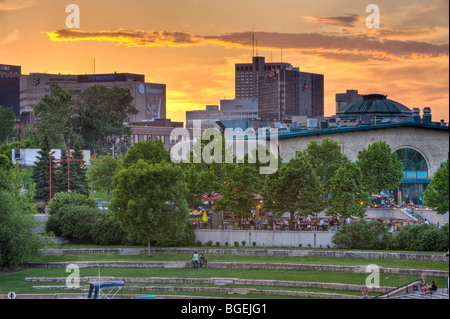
(407, 264)
(16, 281)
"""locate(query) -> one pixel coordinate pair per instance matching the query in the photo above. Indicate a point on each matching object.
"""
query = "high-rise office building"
(148, 98)
(10, 87)
(282, 91)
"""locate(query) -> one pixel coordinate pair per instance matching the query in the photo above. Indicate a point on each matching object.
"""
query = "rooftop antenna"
(94, 66)
(256, 47)
(253, 41)
(281, 54)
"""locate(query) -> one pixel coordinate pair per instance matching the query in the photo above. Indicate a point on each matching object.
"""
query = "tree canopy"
(437, 193)
(380, 167)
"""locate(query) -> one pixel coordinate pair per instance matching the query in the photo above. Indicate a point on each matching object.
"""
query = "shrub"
(106, 231)
(299, 245)
(236, 244)
(362, 235)
(198, 243)
(217, 243)
(420, 238)
(208, 243)
(243, 243)
(254, 244)
(76, 223)
(226, 244)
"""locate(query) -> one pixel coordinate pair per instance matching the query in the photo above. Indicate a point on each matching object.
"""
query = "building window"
(414, 164)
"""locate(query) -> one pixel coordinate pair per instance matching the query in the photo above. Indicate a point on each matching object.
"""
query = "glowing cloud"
(335, 47)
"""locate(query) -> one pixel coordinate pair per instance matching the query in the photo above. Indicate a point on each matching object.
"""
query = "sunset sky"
(192, 45)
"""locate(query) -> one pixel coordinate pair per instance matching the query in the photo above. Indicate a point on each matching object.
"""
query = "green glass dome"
(376, 104)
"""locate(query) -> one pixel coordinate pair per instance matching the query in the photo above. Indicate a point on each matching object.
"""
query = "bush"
(254, 244)
(217, 243)
(76, 223)
(420, 238)
(208, 243)
(106, 231)
(226, 244)
(236, 244)
(362, 235)
(243, 243)
(198, 243)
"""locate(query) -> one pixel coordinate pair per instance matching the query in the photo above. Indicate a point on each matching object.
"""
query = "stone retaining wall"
(239, 291)
(237, 265)
(251, 252)
(219, 281)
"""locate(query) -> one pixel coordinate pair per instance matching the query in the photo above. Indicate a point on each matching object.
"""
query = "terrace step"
(175, 264)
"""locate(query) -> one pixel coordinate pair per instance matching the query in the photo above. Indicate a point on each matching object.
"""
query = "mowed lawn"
(15, 281)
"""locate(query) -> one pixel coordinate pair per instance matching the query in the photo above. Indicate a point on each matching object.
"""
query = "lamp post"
(50, 154)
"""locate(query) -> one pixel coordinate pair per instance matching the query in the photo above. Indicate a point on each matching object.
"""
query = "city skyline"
(193, 46)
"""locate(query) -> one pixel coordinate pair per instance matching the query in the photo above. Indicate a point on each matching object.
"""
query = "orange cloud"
(137, 38)
(335, 47)
(345, 21)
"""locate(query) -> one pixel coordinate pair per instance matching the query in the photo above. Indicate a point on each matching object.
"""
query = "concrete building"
(27, 157)
(423, 148)
(237, 110)
(10, 87)
(343, 100)
(157, 129)
(148, 98)
(282, 91)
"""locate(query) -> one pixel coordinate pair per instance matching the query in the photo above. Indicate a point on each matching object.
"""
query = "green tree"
(41, 171)
(238, 189)
(5, 162)
(347, 195)
(437, 193)
(7, 122)
(99, 115)
(325, 159)
(205, 175)
(78, 179)
(380, 167)
(149, 201)
(17, 240)
(294, 188)
(53, 113)
(100, 173)
(151, 151)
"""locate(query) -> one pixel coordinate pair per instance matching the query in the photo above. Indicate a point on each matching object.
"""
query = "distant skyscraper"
(344, 100)
(282, 91)
(10, 87)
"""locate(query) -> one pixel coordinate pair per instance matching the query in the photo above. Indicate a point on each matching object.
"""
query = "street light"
(50, 154)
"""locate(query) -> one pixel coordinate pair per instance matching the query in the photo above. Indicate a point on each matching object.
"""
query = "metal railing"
(405, 285)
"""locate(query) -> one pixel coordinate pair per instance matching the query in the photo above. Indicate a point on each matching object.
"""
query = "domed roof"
(376, 104)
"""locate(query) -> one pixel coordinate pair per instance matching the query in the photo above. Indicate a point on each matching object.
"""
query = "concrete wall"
(264, 238)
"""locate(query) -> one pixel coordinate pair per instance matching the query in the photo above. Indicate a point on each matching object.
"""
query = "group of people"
(365, 294)
(198, 260)
(428, 289)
